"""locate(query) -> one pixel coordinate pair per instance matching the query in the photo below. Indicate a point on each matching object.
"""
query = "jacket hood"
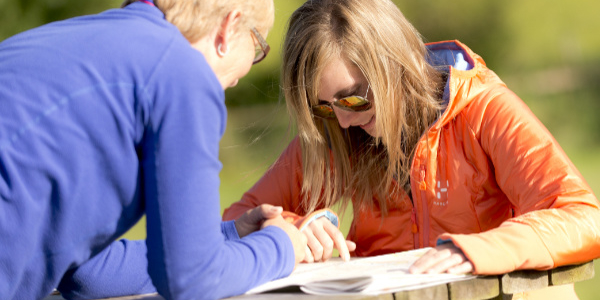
(467, 75)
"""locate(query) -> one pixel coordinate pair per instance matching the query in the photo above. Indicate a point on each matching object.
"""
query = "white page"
(369, 275)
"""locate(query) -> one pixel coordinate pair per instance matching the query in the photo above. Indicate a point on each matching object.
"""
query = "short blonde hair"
(377, 38)
(196, 18)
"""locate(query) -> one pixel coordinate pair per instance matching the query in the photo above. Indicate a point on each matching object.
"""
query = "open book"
(371, 275)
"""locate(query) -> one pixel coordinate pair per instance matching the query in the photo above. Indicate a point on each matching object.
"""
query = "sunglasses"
(262, 49)
(351, 103)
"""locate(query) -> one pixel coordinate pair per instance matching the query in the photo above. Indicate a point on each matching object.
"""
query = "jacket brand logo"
(442, 194)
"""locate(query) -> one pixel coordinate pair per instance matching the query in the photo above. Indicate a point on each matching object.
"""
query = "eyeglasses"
(262, 49)
(352, 103)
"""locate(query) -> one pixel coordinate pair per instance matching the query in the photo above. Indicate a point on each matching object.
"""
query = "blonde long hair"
(338, 164)
(196, 18)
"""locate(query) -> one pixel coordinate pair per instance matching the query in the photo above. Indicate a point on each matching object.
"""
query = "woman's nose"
(345, 118)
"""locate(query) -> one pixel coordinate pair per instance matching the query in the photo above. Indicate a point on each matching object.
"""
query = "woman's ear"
(227, 31)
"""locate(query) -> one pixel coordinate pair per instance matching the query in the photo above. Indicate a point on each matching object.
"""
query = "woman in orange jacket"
(430, 146)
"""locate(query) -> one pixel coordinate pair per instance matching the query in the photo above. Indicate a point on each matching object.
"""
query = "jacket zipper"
(414, 227)
(423, 188)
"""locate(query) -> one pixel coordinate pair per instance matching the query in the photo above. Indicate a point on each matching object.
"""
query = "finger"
(464, 268)
(267, 211)
(424, 262)
(351, 245)
(307, 254)
(314, 244)
(272, 221)
(337, 238)
(445, 264)
(308, 257)
(325, 240)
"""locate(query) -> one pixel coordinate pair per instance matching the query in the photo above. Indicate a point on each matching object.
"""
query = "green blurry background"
(548, 52)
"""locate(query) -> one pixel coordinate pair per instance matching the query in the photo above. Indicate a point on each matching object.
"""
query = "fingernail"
(276, 208)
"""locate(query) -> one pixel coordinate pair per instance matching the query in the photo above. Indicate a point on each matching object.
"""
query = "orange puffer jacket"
(487, 175)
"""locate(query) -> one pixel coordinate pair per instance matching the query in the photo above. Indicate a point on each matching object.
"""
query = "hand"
(322, 237)
(253, 219)
(298, 239)
(446, 258)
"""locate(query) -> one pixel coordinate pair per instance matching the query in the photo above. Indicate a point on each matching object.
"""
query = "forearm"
(208, 266)
(541, 239)
(570, 233)
(119, 270)
(503, 249)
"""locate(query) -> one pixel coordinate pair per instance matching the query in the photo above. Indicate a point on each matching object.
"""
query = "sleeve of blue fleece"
(119, 270)
(189, 257)
(229, 230)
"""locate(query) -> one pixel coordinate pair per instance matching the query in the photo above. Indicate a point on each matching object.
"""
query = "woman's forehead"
(338, 77)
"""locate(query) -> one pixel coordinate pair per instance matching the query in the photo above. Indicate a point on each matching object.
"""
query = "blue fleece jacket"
(104, 118)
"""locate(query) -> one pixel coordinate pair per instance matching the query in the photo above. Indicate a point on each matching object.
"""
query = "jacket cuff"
(229, 230)
(512, 246)
(302, 222)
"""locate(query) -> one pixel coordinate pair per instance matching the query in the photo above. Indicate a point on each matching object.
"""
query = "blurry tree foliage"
(20, 15)
(514, 37)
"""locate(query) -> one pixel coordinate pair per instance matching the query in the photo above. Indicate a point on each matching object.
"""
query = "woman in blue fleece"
(106, 117)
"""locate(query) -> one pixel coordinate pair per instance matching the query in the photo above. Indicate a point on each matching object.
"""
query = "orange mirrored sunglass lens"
(323, 111)
(353, 103)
